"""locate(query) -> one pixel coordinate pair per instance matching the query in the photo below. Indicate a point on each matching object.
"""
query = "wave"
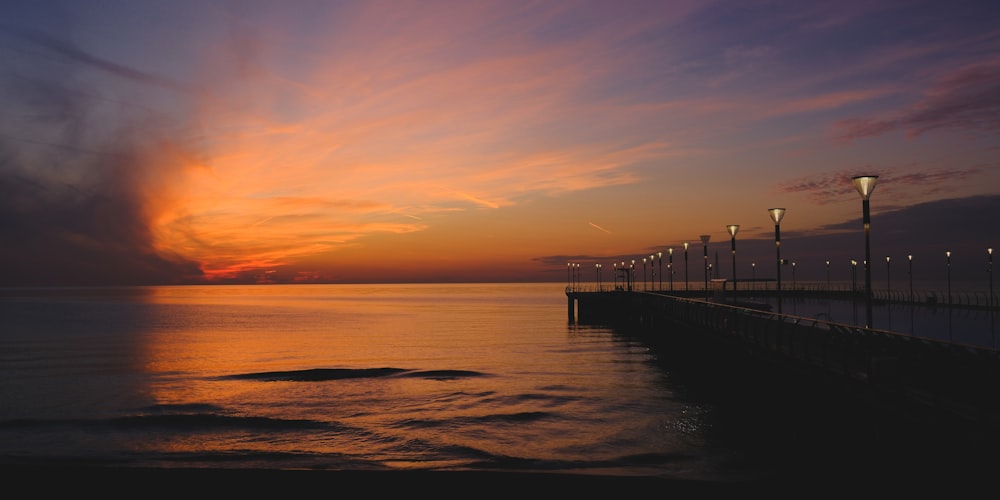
(180, 421)
(323, 374)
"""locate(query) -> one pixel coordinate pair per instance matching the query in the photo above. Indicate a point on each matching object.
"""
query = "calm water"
(443, 377)
(335, 377)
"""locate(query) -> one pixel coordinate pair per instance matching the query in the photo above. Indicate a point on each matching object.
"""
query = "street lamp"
(948, 254)
(793, 275)
(888, 278)
(989, 251)
(989, 269)
(776, 215)
(854, 276)
(865, 184)
(598, 266)
(644, 274)
(733, 229)
(753, 275)
(909, 271)
(670, 266)
(652, 272)
(827, 276)
(686, 281)
(659, 258)
(704, 242)
(569, 271)
(631, 274)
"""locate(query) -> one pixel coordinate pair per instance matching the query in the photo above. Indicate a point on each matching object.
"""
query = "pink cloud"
(967, 99)
(902, 182)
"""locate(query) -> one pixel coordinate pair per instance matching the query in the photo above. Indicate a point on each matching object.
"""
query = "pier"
(934, 376)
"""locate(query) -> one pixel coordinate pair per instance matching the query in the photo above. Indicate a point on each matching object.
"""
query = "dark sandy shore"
(37, 481)
(40, 481)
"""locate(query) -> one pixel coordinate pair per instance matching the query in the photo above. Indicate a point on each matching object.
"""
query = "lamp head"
(685, 246)
(733, 229)
(704, 238)
(865, 184)
(776, 214)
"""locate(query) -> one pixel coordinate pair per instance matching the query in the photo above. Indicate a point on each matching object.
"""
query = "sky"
(176, 141)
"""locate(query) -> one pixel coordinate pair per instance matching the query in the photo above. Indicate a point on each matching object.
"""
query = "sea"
(387, 377)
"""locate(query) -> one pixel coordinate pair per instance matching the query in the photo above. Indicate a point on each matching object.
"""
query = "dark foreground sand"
(41, 481)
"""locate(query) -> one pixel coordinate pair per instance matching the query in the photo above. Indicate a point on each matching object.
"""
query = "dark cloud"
(75, 54)
(78, 184)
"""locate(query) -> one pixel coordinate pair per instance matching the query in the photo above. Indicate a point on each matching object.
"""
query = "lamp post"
(624, 270)
(569, 270)
(793, 275)
(733, 229)
(659, 258)
(598, 266)
(989, 269)
(909, 272)
(686, 280)
(704, 242)
(888, 278)
(776, 215)
(670, 266)
(827, 276)
(753, 275)
(652, 272)
(865, 184)
(948, 255)
(854, 275)
(631, 276)
(644, 274)
(888, 286)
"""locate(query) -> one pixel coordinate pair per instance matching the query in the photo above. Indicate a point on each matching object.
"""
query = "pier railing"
(973, 299)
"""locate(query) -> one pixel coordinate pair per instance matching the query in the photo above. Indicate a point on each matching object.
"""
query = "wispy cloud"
(967, 99)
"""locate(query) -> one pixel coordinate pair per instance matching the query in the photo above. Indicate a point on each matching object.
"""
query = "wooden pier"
(924, 378)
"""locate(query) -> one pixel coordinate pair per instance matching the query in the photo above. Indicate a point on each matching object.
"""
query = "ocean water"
(344, 377)
(382, 377)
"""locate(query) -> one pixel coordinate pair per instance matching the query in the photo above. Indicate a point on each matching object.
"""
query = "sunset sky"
(175, 141)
